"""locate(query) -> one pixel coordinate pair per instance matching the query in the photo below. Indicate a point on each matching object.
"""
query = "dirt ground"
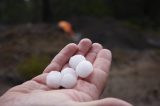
(136, 79)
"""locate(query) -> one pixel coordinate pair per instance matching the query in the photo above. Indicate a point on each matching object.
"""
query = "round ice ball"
(68, 80)
(84, 69)
(75, 60)
(53, 79)
(68, 70)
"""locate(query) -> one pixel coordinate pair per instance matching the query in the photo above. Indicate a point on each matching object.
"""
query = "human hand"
(35, 92)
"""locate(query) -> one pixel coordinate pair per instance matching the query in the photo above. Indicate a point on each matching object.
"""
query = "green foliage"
(14, 11)
(32, 66)
(142, 11)
(66, 8)
(32, 10)
(96, 8)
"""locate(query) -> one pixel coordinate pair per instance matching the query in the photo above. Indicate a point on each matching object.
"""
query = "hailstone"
(68, 70)
(84, 69)
(53, 79)
(75, 60)
(68, 80)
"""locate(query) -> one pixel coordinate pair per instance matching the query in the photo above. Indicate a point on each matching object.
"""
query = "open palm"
(35, 92)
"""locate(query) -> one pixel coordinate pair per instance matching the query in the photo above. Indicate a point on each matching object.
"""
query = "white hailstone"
(68, 80)
(75, 60)
(68, 70)
(53, 79)
(84, 69)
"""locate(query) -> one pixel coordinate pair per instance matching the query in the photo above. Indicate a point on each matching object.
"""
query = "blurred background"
(32, 32)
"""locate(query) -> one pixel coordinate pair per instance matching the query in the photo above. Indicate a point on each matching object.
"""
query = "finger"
(41, 78)
(101, 68)
(62, 57)
(105, 102)
(84, 45)
(94, 84)
(65, 66)
(91, 55)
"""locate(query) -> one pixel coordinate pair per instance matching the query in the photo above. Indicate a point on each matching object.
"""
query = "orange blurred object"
(66, 27)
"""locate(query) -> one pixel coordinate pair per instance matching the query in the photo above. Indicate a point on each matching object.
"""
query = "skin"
(35, 92)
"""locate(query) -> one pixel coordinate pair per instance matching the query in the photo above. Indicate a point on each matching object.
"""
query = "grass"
(32, 66)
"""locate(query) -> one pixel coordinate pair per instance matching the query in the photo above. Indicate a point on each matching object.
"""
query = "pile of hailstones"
(67, 78)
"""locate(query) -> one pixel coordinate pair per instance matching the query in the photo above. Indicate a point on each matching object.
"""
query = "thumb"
(106, 102)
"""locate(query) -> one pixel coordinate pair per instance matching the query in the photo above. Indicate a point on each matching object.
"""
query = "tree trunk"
(46, 11)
